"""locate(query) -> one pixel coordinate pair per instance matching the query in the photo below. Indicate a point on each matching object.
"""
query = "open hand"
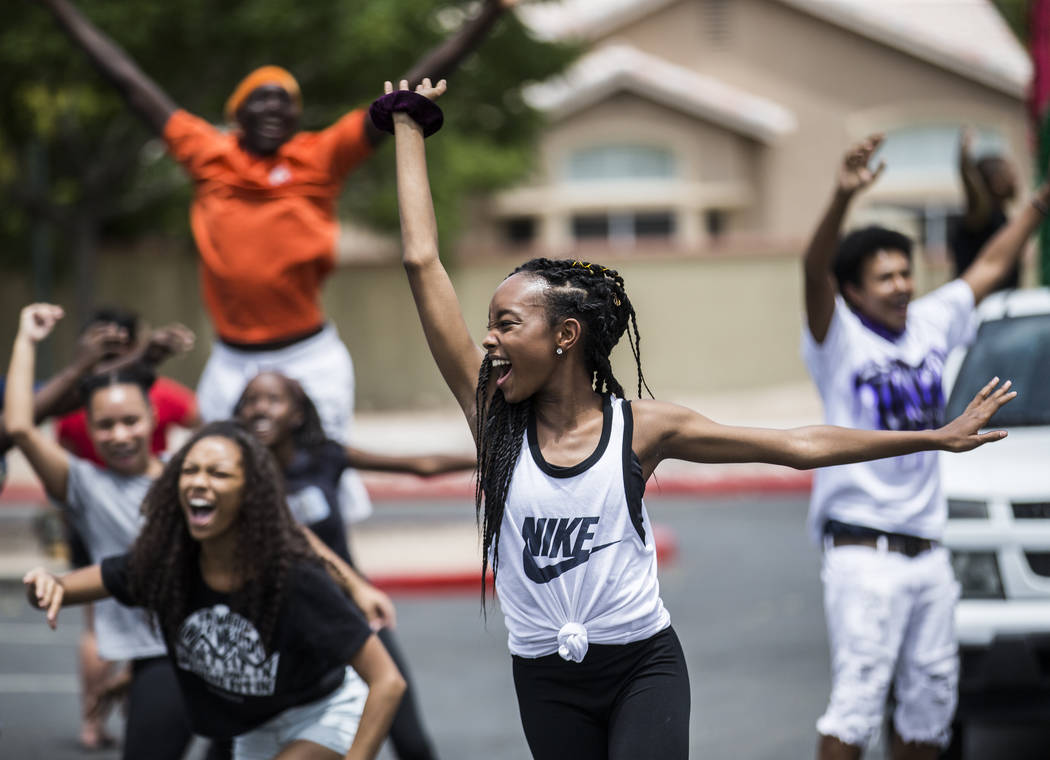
(424, 88)
(168, 341)
(44, 591)
(38, 320)
(963, 433)
(101, 340)
(855, 174)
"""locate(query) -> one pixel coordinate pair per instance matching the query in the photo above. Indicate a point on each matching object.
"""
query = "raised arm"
(50, 592)
(154, 349)
(457, 356)
(441, 61)
(854, 175)
(667, 431)
(978, 199)
(1002, 253)
(142, 94)
(49, 460)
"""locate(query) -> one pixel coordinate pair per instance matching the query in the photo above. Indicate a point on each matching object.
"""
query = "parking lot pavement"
(742, 591)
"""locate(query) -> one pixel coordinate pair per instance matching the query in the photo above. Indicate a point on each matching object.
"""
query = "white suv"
(999, 517)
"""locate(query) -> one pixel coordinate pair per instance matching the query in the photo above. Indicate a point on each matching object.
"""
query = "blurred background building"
(693, 145)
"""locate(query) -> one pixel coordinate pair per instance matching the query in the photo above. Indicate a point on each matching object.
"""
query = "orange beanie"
(262, 76)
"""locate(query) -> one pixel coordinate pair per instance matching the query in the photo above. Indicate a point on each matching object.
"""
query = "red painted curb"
(394, 489)
(412, 490)
(460, 582)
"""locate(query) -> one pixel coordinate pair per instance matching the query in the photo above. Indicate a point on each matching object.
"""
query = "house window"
(623, 227)
(590, 227)
(929, 153)
(715, 222)
(520, 230)
(620, 162)
(654, 225)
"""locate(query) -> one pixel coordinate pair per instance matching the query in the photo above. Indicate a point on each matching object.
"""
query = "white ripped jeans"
(891, 620)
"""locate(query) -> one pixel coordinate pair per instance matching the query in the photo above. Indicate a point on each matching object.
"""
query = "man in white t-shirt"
(877, 357)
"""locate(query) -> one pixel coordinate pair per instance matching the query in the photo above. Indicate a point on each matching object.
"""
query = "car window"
(1017, 349)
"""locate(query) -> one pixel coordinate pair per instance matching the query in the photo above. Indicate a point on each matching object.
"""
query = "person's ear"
(568, 334)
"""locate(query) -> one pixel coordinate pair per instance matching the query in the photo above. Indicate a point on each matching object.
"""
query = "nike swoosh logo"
(538, 574)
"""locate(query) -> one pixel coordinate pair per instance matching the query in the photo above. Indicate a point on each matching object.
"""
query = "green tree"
(77, 165)
(1016, 14)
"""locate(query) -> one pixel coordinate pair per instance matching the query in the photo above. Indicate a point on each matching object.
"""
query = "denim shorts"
(330, 721)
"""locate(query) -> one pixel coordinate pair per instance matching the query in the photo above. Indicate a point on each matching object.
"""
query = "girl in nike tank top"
(562, 465)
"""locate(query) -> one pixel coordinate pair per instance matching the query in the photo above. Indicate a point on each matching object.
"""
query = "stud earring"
(558, 351)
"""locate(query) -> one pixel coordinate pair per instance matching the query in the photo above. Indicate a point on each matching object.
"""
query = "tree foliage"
(1016, 14)
(74, 158)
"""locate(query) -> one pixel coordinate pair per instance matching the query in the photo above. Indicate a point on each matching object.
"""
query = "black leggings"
(623, 702)
(157, 725)
(407, 734)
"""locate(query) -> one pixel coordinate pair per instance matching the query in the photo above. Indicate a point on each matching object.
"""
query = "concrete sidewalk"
(442, 553)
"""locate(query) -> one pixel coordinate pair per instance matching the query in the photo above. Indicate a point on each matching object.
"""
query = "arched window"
(620, 162)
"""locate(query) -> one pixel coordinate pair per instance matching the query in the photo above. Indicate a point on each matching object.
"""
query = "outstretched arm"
(1002, 253)
(142, 94)
(50, 592)
(442, 60)
(457, 356)
(157, 347)
(49, 460)
(667, 431)
(423, 465)
(854, 175)
(978, 200)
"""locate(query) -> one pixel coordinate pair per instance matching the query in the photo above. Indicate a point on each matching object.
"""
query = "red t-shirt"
(265, 226)
(173, 404)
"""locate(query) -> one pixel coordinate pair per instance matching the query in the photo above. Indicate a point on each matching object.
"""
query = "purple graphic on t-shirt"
(903, 397)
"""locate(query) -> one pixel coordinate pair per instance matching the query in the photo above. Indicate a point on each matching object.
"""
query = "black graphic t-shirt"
(229, 681)
(312, 488)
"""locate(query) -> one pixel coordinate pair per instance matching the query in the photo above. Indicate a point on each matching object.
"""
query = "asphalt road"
(743, 593)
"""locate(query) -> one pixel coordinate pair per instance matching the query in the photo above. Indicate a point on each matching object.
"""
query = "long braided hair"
(164, 559)
(595, 296)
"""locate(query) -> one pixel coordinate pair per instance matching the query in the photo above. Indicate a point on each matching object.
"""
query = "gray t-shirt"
(106, 509)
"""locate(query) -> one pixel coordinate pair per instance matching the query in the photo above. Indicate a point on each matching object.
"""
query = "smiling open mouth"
(262, 425)
(201, 511)
(502, 368)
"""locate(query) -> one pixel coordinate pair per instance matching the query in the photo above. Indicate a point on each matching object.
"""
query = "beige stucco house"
(693, 146)
(695, 126)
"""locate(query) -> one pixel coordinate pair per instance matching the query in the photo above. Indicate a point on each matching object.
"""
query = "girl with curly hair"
(266, 647)
(562, 465)
(279, 413)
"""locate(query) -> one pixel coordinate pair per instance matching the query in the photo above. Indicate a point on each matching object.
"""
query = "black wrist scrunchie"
(422, 110)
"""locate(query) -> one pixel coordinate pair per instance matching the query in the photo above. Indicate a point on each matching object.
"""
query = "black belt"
(273, 345)
(845, 534)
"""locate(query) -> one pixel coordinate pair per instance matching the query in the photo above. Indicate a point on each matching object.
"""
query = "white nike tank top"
(576, 549)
